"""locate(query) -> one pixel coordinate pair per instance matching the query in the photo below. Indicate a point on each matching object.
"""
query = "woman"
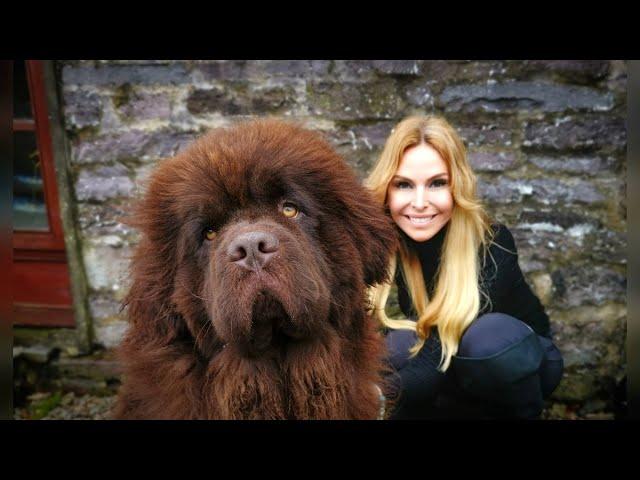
(476, 342)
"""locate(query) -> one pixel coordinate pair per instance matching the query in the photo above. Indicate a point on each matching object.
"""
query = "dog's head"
(258, 235)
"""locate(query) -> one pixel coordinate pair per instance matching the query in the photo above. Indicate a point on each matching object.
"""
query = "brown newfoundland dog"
(248, 284)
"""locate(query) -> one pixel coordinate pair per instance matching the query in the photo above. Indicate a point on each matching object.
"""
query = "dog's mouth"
(271, 327)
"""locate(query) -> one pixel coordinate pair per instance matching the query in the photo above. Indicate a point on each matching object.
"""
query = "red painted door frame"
(41, 286)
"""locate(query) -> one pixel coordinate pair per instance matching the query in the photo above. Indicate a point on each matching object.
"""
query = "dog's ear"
(153, 265)
(345, 198)
(379, 244)
(374, 232)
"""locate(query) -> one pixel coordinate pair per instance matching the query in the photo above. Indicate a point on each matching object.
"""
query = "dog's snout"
(253, 250)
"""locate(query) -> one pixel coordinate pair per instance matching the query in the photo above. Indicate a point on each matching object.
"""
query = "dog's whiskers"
(203, 331)
(189, 291)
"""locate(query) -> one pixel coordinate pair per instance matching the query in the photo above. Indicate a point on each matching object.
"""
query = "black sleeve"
(419, 381)
(404, 300)
(511, 292)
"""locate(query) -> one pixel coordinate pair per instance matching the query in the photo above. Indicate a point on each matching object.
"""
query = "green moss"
(62, 338)
(41, 408)
(318, 95)
(122, 95)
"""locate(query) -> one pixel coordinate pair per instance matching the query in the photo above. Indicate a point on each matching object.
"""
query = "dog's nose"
(253, 250)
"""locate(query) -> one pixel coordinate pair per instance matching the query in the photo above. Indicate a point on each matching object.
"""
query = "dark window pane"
(29, 207)
(21, 103)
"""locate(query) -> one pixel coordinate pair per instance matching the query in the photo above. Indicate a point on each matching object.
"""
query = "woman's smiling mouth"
(420, 220)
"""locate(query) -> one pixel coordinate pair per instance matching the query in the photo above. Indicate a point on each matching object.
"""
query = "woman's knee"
(491, 334)
(502, 360)
(498, 360)
(552, 367)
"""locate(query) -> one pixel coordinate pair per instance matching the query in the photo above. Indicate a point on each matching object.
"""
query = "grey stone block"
(262, 70)
(115, 75)
(420, 96)
(104, 307)
(577, 134)
(447, 72)
(563, 219)
(577, 71)
(350, 101)
(370, 137)
(238, 100)
(146, 106)
(587, 165)
(106, 267)
(102, 183)
(492, 161)
(106, 219)
(544, 191)
(131, 144)
(593, 285)
(82, 108)
(492, 134)
(110, 334)
(513, 96)
(398, 67)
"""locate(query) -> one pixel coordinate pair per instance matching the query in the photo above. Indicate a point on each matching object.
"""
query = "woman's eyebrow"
(437, 175)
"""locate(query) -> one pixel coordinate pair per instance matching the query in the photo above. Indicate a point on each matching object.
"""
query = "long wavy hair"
(457, 296)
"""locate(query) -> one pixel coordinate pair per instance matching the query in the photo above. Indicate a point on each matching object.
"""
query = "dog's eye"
(289, 210)
(209, 233)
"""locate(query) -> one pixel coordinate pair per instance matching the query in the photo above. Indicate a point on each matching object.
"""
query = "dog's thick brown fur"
(215, 333)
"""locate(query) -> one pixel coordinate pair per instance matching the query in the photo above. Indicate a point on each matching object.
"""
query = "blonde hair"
(456, 299)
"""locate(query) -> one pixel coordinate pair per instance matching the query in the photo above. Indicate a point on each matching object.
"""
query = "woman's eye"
(403, 185)
(439, 183)
(290, 210)
(209, 233)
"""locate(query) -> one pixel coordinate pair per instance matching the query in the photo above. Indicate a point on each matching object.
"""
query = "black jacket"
(503, 281)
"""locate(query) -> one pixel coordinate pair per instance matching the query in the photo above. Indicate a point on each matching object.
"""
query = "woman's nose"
(419, 200)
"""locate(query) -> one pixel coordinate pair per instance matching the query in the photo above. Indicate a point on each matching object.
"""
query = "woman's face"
(418, 196)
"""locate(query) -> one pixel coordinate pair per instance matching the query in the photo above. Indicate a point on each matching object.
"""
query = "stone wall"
(547, 139)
